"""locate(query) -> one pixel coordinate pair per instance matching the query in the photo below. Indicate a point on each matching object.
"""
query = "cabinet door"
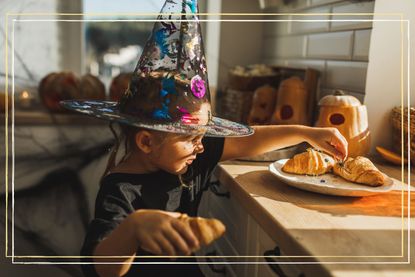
(270, 266)
(214, 266)
(225, 207)
(219, 203)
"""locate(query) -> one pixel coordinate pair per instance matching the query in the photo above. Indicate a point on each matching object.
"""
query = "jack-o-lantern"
(91, 88)
(119, 85)
(56, 87)
(263, 105)
(292, 101)
(349, 116)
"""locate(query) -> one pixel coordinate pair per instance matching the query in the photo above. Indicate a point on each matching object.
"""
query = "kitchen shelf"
(42, 117)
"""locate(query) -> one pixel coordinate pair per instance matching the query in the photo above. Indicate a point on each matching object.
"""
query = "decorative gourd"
(292, 103)
(349, 116)
(56, 87)
(91, 88)
(263, 105)
(119, 85)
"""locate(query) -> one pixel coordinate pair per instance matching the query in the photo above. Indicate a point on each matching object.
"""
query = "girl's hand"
(162, 233)
(328, 140)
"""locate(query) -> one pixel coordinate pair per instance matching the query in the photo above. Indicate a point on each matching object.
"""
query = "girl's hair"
(126, 135)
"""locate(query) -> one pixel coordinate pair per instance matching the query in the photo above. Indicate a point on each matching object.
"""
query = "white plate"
(326, 183)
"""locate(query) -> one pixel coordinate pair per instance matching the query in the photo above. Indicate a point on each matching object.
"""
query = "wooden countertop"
(365, 236)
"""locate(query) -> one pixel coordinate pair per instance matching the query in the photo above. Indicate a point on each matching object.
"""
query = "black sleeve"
(112, 206)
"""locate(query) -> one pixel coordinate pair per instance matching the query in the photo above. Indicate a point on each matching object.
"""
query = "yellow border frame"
(220, 14)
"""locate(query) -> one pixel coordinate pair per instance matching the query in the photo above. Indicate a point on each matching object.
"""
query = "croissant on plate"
(206, 230)
(311, 162)
(360, 170)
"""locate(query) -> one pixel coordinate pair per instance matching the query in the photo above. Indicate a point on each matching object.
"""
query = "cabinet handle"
(212, 266)
(214, 188)
(271, 263)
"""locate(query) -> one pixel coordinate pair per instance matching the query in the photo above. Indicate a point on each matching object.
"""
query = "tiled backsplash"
(338, 49)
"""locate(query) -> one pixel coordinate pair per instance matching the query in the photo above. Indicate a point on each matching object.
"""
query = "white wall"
(338, 49)
(383, 85)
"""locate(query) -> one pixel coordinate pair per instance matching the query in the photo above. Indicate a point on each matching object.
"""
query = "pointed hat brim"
(108, 110)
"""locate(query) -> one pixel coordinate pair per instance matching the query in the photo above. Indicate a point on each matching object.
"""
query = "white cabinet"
(243, 237)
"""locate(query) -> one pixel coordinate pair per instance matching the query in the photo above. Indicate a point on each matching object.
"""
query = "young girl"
(172, 145)
(141, 198)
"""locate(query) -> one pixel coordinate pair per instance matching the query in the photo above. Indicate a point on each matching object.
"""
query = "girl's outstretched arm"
(271, 137)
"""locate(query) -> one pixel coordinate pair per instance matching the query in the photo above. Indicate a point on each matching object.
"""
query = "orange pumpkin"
(91, 88)
(119, 85)
(3, 102)
(56, 87)
(292, 103)
(263, 105)
(349, 116)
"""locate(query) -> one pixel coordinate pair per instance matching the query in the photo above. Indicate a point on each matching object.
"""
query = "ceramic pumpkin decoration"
(263, 105)
(292, 102)
(56, 87)
(119, 85)
(349, 116)
(91, 88)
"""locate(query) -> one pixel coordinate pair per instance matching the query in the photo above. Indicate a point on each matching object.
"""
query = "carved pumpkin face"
(262, 105)
(292, 103)
(349, 116)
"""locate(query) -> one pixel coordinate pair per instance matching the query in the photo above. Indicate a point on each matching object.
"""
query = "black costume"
(121, 194)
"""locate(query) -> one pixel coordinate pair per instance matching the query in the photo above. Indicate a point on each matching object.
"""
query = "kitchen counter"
(365, 236)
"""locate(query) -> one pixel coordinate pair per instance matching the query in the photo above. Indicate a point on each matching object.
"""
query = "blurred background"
(330, 66)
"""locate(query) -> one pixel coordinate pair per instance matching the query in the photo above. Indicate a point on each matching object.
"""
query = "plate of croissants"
(319, 172)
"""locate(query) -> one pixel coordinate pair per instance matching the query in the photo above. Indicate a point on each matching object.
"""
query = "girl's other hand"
(328, 140)
(162, 233)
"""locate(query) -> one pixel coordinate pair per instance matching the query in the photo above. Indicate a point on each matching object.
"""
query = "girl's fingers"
(334, 152)
(178, 242)
(152, 247)
(166, 247)
(172, 214)
(186, 232)
(342, 147)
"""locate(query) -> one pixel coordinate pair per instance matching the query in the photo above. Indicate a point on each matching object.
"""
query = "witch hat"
(169, 89)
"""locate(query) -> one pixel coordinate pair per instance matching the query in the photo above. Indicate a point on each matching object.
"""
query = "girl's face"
(177, 152)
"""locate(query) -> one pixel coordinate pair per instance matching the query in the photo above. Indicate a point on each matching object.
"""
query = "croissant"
(205, 229)
(311, 162)
(360, 170)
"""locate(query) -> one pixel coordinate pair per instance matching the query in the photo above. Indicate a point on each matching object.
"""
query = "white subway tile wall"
(340, 13)
(339, 50)
(287, 47)
(321, 2)
(303, 25)
(346, 75)
(336, 45)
